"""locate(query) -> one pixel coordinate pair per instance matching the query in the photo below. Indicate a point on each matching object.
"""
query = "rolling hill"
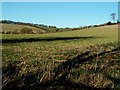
(13, 27)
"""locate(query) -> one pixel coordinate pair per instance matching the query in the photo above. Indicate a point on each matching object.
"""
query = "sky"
(60, 14)
(60, 0)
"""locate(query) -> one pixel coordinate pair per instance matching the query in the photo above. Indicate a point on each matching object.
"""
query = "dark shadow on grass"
(65, 67)
(61, 78)
(66, 85)
(116, 81)
(44, 39)
(30, 82)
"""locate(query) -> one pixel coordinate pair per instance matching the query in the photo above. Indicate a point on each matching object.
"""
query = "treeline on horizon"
(49, 26)
(24, 23)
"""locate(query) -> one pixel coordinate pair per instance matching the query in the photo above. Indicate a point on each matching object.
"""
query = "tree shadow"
(30, 82)
(61, 79)
(61, 72)
(44, 39)
(66, 85)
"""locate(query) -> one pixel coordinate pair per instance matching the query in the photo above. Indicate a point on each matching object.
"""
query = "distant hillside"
(10, 26)
(14, 27)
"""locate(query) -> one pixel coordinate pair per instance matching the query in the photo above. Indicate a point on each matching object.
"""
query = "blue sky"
(60, 14)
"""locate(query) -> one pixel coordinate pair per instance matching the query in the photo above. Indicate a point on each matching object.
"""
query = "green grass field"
(87, 58)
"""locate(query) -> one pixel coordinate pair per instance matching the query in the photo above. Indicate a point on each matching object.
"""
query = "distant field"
(87, 58)
(98, 35)
(13, 27)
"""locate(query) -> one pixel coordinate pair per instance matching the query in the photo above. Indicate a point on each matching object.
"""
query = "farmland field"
(87, 58)
(10, 27)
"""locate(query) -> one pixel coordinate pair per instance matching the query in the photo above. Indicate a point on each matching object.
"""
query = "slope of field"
(13, 27)
(75, 60)
(40, 29)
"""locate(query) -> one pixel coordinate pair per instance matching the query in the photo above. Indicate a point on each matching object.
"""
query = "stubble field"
(88, 58)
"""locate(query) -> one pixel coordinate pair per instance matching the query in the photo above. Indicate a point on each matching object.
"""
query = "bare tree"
(113, 16)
